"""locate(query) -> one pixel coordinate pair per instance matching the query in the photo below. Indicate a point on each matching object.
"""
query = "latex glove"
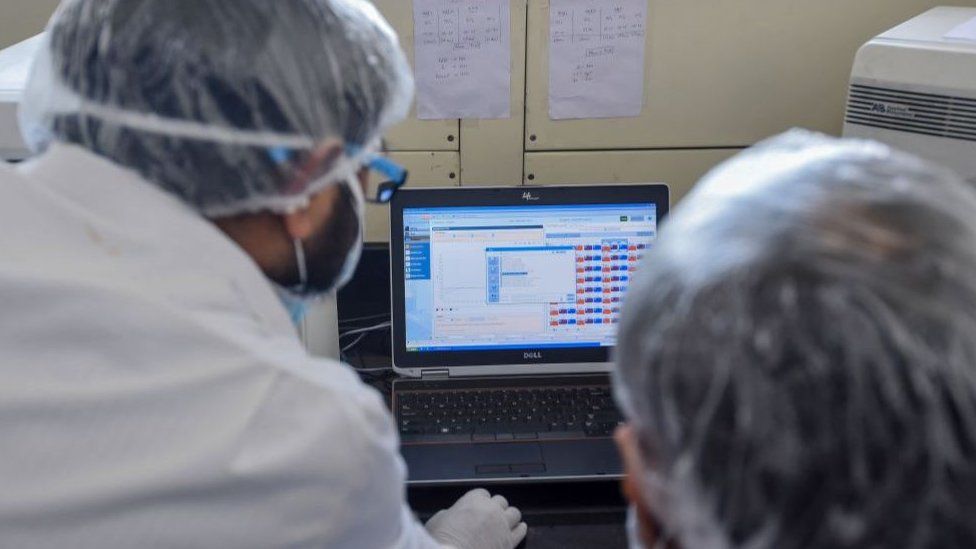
(479, 521)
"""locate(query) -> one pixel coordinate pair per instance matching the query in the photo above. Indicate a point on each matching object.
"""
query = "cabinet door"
(427, 169)
(492, 150)
(23, 18)
(724, 73)
(679, 169)
(414, 134)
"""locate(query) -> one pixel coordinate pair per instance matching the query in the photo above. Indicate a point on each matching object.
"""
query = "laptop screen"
(493, 278)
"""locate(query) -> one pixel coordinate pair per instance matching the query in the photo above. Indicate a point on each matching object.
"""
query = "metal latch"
(435, 373)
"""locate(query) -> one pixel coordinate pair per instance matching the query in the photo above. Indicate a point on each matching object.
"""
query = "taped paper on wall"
(463, 57)
(596, 58)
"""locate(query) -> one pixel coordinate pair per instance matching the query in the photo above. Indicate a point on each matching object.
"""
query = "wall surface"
(721, 75)
(21, 19)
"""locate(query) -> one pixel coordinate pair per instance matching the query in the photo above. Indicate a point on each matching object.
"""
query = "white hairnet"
(219, 101)
(798, 354)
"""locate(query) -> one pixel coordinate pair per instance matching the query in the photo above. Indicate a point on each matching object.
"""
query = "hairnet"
(798, 354)
(219, 101)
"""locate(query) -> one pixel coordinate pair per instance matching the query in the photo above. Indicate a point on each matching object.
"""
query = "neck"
(263, 237)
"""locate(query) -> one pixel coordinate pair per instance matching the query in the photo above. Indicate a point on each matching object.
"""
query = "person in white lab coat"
(200, 176)
(797, 358)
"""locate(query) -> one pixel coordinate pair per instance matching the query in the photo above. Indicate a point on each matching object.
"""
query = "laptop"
(506, 303)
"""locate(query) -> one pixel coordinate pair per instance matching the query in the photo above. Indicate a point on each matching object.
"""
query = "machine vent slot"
(912, 112)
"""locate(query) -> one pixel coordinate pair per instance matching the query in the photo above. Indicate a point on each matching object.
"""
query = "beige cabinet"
(414, 134)
(427, 169)
(720, 75)
(723, 73)
(21, 19)
(679, 169)
(492, 150)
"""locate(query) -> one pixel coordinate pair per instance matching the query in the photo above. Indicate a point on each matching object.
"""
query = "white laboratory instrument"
(914, 88)
(320, 330)
(15, 63)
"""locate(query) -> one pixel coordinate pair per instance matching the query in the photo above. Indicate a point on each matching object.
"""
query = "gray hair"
(798, 353)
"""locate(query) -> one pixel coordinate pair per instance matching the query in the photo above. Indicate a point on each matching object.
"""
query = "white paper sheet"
(596, 58)
(463, 58)
(966, 31)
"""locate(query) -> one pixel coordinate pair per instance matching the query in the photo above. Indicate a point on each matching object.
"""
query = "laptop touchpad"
(499, 459)
(462, 461)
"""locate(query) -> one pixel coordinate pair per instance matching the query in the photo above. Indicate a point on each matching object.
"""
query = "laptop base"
(577, 450)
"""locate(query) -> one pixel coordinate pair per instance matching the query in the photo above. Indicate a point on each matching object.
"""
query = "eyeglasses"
(394, 177)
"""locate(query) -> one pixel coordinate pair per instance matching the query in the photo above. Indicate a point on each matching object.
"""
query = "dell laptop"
(506, 303)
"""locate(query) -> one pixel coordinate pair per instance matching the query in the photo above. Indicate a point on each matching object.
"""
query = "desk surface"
(584, 515)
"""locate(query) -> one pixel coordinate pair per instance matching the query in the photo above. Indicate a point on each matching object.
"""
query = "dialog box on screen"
(544, 274)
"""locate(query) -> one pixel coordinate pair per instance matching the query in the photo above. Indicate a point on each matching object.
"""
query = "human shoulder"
(341, 385)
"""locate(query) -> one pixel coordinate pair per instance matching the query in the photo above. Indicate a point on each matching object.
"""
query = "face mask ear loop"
(302, 267)
(359, 197)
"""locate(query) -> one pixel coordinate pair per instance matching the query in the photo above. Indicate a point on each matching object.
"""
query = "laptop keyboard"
(502, 415)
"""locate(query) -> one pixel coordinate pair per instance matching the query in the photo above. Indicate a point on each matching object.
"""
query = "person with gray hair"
(201, 174)
(797, 358)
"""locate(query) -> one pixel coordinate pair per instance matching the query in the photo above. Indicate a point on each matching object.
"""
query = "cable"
(362, 318)
(380, 326)
(362, 333)
(354, 343)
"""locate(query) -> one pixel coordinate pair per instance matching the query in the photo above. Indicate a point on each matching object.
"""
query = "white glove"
(479, 521)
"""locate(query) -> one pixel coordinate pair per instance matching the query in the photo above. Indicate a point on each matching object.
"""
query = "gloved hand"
(479, 521)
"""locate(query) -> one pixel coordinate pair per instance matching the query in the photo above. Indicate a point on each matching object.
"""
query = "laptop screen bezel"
(657, 194)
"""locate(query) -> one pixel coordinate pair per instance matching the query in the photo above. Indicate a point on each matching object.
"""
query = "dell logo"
(535, 356)
(529, 197)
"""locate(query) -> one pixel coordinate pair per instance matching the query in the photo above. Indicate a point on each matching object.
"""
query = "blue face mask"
(296, 305)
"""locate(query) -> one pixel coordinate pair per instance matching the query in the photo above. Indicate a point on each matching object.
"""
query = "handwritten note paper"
(596, 58)
(463, 58)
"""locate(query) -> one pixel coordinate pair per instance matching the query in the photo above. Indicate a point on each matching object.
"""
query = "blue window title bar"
(532, 249)
(532, 209)
(490, 228)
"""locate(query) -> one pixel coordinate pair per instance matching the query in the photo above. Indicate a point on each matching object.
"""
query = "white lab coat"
(153, 392)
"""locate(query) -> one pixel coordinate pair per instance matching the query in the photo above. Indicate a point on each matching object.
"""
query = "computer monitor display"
(486, 278)
(506, 278)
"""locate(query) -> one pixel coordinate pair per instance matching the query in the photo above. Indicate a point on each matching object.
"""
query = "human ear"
(633, 465)
(301, 224)
(634, 469)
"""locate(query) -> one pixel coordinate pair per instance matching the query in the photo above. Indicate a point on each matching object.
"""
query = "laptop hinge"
(435, 373)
